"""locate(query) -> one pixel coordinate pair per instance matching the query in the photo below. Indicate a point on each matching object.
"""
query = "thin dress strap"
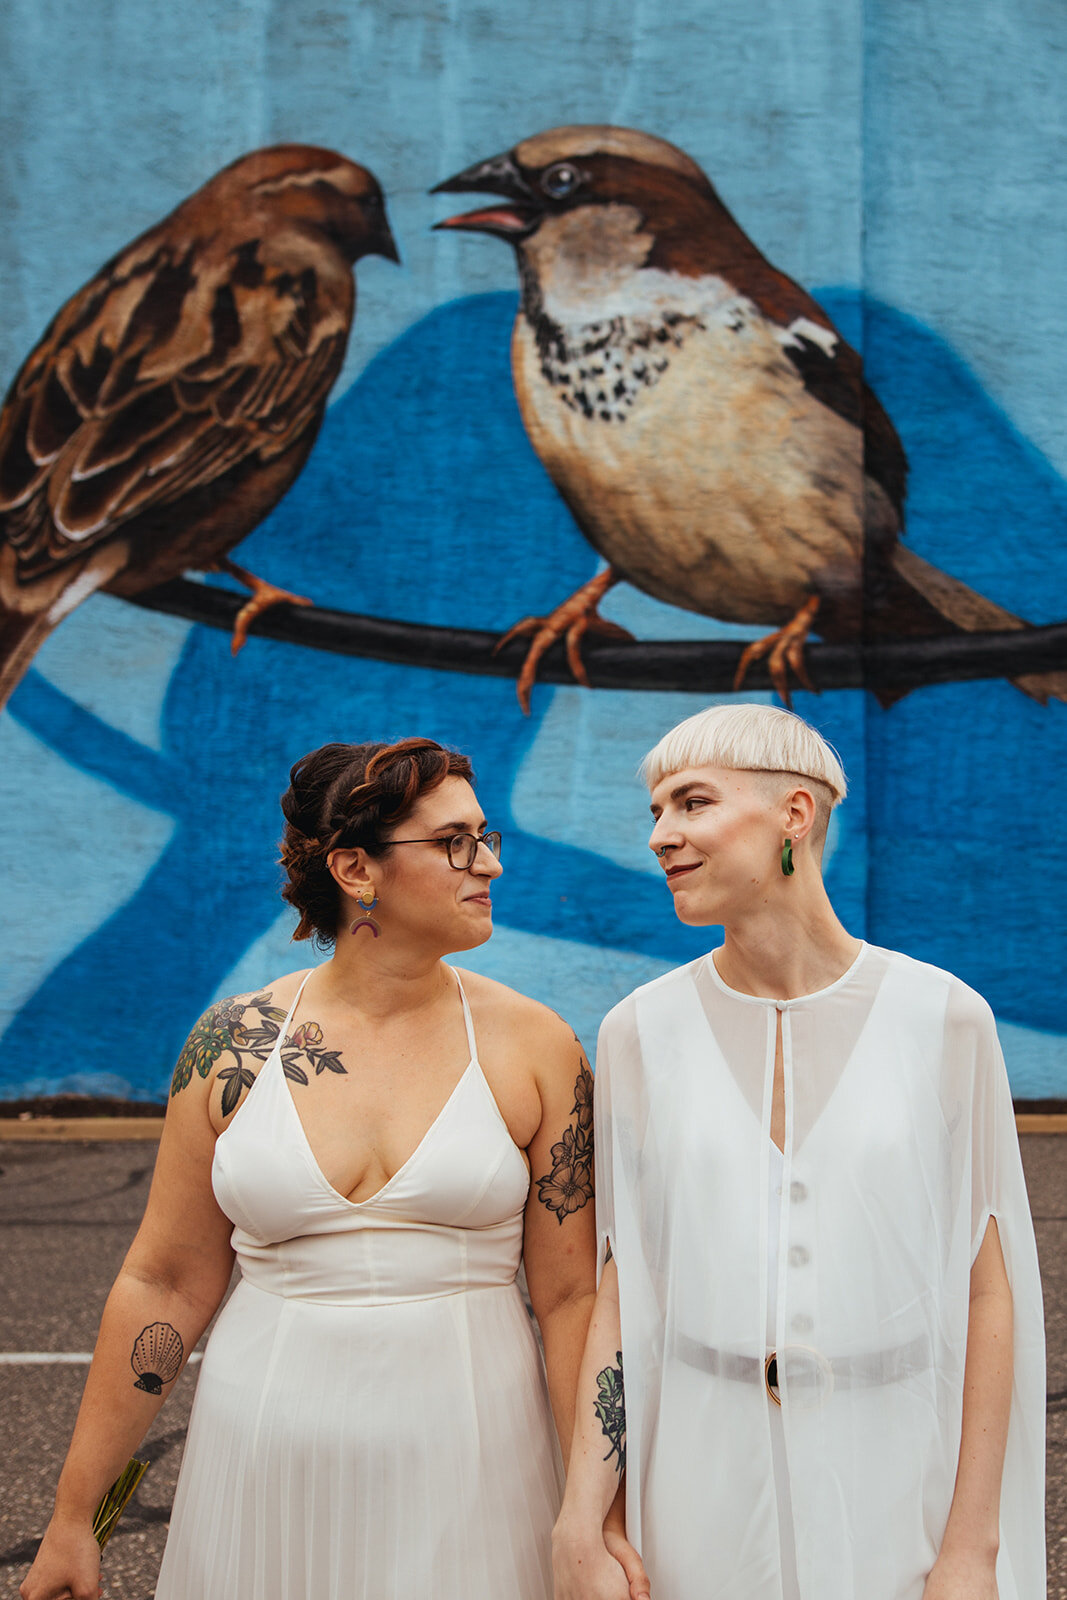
(466, 1016)
(292, 1009)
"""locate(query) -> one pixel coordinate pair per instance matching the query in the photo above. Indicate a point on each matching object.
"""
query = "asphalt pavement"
(68, 1211)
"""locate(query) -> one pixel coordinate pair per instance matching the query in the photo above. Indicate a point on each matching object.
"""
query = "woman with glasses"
(379, 1140)
(817, 1349)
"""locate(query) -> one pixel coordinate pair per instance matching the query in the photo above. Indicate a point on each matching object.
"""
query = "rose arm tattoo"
(569, 1186)
(610, 1408)
(228, 1028)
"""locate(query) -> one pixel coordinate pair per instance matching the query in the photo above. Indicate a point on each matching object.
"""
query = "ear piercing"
(789, 866)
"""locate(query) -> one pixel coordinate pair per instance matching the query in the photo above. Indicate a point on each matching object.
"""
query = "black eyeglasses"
(462, 847)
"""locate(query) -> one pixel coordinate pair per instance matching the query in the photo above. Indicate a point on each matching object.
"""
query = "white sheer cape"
(900, 1145)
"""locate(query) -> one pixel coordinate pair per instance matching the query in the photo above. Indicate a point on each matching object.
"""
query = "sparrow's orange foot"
(570, 621)
(263, 596)
(786, 649)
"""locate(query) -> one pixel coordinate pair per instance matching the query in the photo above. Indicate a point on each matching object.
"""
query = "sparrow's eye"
(560, 180)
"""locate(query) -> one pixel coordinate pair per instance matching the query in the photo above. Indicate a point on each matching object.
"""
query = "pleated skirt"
(389, 1452)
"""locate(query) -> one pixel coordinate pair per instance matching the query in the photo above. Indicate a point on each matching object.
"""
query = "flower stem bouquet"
(114, 1502)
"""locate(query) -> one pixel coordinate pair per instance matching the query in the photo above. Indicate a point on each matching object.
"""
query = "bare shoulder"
(514, 1017)
(232, 1022)
(282, 991)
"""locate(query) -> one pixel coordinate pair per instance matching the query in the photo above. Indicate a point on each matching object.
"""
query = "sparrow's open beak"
(500, 176)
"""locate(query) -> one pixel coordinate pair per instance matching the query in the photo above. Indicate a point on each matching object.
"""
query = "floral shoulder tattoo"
(569, 1186)
(246, 1029)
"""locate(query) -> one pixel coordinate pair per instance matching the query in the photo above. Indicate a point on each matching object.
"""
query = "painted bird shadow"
(965, 851)
(423, 500)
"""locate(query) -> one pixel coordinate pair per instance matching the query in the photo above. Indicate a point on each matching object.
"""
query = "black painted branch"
(677, 664)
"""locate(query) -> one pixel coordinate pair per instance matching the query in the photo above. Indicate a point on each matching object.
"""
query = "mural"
(667, 471)
(174, 399)
(701, 415)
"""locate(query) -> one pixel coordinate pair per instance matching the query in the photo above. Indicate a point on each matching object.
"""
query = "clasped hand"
(606, 1568)
(66, 1567)
(961, 1577)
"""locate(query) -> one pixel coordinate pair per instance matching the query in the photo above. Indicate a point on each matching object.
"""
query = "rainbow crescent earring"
(366, 899)
(789, 866)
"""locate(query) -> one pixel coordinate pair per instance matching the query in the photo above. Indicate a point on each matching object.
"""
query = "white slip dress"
(371, 1419)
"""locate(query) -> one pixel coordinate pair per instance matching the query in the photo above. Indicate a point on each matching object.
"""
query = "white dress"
(899, 1147)
(371, 1418)
(779, 1458)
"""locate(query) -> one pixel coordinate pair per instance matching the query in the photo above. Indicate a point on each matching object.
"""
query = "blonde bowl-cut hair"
(747, 738)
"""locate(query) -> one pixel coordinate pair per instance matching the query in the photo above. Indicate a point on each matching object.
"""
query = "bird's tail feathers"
(28, 614)
(21, 636)
(971, 612)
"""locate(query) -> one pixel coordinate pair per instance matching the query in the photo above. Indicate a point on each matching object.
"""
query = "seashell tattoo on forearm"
(156, 1357)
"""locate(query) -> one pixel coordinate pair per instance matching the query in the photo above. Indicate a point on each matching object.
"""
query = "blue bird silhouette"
(423, 500)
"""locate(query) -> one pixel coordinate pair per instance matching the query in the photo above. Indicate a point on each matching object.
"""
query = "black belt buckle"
(770, 1377)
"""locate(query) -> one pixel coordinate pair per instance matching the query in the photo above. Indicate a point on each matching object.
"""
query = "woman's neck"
(379, 982)
(781, 956)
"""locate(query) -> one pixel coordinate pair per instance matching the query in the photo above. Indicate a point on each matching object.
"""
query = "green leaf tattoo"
(215, 1033)
(236, 1079)
(610, 1408)
(248, 1030)
(294, 1073)
(569, 1186)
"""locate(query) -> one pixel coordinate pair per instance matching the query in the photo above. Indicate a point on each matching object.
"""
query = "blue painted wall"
(911, 157)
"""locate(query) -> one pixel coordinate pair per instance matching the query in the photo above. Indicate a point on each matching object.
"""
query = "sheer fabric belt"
(812, 1375)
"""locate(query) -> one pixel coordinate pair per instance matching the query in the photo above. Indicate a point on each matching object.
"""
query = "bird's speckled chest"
(673, 369)
(599, 371)
(707, 475)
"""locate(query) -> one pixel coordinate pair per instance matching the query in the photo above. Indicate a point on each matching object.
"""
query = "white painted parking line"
(69, 1358)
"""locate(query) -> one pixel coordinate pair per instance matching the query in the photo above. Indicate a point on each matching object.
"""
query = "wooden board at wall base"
(84, 1130)
(95, 1130)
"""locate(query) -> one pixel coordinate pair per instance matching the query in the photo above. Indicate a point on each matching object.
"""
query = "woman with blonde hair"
(817, 1351)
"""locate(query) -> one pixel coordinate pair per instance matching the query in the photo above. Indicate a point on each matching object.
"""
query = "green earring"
(788, 864)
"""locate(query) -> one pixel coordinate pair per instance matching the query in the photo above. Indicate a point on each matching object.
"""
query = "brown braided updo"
(344, 796)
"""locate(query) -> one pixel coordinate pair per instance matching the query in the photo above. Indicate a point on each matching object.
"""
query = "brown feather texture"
(174, 399)
(707, 424)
